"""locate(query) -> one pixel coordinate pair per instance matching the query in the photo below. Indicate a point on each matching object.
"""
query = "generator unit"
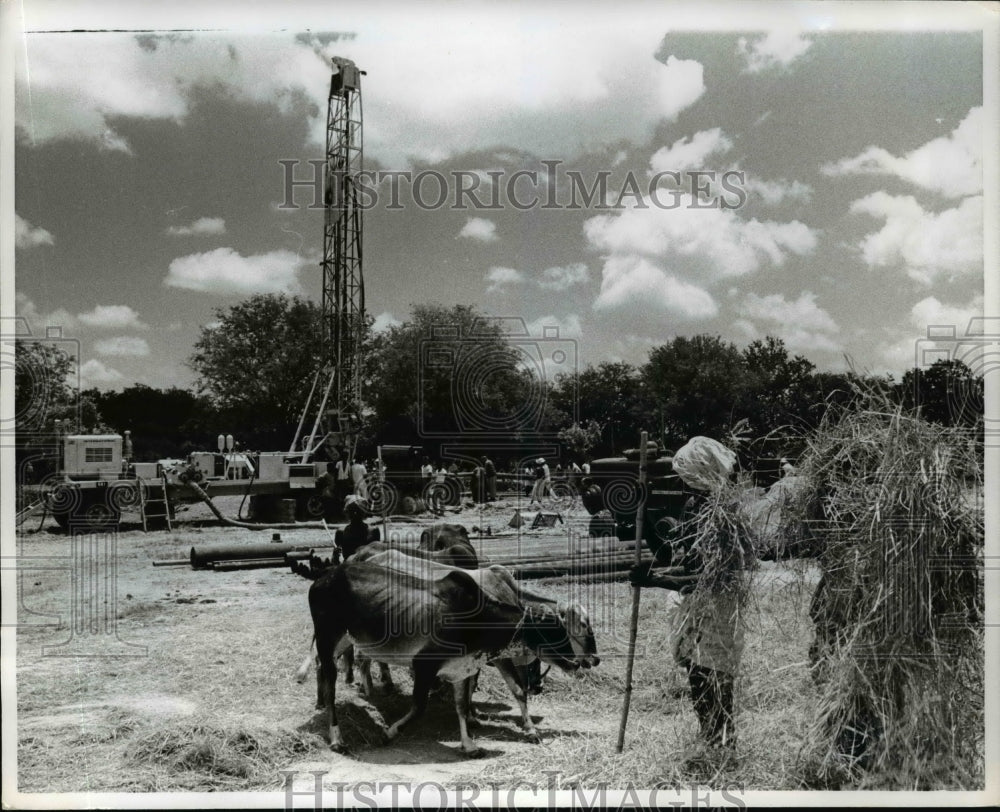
(92, 456)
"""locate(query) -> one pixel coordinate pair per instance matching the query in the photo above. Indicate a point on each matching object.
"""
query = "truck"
(97, 481)
(613, 486)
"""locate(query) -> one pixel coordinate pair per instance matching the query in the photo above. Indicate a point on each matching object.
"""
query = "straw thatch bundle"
(891, 506)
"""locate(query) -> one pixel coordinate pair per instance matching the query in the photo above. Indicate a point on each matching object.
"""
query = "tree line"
(449, 371)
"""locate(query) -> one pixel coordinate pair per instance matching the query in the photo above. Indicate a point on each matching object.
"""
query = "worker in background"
(573, 474)
(426, 470)
(356, 533)
(708, 637)
(586, 467)
(358, 474)
(343, 473)
(490, 472)
(542, 481)
(438, 489)
(477, 483)
(326, 487)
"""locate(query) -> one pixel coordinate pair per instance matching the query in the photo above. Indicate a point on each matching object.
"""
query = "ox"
(445, 621)
(453, 541)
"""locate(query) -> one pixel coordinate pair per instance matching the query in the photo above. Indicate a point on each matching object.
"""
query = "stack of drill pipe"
(585, 564)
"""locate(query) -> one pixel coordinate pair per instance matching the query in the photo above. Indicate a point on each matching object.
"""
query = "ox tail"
(303, 672)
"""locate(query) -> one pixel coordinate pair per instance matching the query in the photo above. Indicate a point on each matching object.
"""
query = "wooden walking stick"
(636, 591)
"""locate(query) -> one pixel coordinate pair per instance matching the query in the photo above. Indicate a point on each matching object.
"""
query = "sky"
(815, 172)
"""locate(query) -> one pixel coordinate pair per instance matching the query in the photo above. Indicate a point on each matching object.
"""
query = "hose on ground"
(234, 523)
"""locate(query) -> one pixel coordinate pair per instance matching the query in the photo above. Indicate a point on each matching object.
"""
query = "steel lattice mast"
(343, 283)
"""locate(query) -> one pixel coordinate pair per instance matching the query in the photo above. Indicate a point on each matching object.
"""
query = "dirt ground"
(132, 677)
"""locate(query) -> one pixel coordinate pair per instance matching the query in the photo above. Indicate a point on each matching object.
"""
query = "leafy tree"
(777, 389)
(48, 403)
(612, 395)
(257, 363)
(947, 392)
(697, 384)
(581, 437)
(449, 373)
(164, 422)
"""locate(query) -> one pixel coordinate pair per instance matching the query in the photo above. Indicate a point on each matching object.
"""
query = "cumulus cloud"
(479, 228)
(778, 48)
(801, 324)
(636, 286)
(26, 309)
(28, 236)
(568, 327)
(383, 321)
(112, 317)
(931, 312)
(225, 272)
(927, 244)
(934, 327)
(690, 153)
(73, 95)
(563, 278)
(96, 374)
(499, 278)
(773, 192)
(582, 79)
(711, 242)
(200, 227)
(951, 165)
(122, 346)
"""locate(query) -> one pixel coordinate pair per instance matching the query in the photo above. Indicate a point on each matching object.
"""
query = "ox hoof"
(340, 749)
(474, 752)
(320, 705)
(533, 737)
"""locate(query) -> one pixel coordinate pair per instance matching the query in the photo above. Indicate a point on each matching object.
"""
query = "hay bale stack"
(899, 610)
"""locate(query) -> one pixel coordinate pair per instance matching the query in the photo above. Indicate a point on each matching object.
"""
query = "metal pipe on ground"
(204, 557)
(250, 564)
(298, 555)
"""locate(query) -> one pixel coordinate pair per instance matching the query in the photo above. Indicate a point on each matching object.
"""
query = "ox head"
(443, 535)
(561, 636)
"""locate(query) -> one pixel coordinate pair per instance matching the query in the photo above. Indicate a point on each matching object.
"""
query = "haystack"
(892, 506)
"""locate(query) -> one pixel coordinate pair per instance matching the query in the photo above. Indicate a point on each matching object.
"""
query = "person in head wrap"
(356, 533)
(708, 639)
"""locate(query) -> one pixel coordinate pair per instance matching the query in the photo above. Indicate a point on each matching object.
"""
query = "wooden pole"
(636, 591)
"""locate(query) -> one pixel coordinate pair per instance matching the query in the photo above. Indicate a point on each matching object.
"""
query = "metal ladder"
(27, 512)
(154, 494)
